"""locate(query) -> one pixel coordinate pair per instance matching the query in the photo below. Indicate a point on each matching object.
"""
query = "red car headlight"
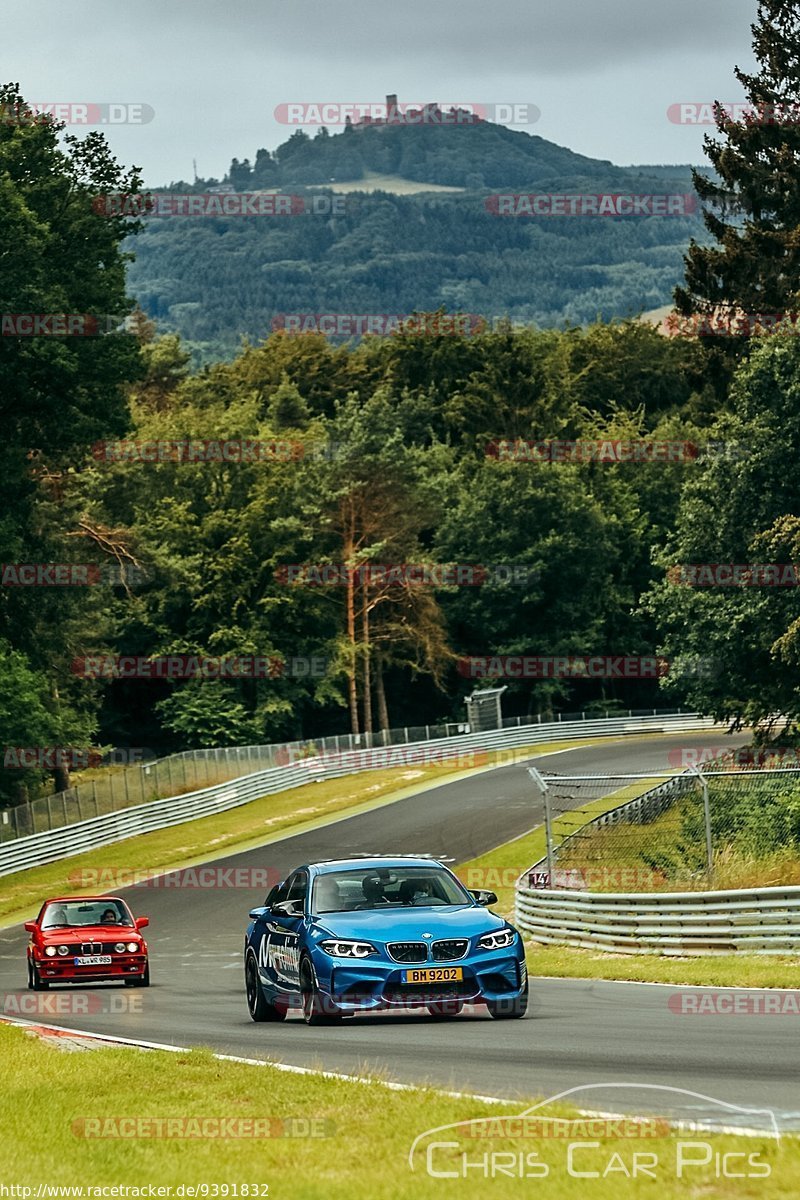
(133, 947)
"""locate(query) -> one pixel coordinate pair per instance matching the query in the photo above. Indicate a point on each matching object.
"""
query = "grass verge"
(369, 1131)
(726, 970)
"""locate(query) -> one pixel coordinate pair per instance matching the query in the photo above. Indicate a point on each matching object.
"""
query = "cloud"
(602, 73)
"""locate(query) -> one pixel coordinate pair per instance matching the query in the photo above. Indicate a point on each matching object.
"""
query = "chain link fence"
(117, 788)
(718, 826)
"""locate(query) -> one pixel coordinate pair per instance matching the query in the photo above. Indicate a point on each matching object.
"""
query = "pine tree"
(287, 408)
(755, 203)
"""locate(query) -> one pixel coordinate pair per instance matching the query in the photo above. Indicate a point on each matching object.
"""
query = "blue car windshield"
(361, 888)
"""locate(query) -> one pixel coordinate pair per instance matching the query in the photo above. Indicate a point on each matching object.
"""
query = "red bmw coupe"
(81, 939)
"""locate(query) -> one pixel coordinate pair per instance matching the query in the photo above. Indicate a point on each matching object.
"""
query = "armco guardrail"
(147, 779)
(65, 842)
(752, 921)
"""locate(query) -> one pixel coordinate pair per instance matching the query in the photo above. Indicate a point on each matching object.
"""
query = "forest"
(214, 280)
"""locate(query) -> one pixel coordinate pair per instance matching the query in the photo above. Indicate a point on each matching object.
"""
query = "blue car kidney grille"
(408, 952)
(446, 951)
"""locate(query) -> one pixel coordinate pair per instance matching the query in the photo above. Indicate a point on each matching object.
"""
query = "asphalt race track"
(576, 1033)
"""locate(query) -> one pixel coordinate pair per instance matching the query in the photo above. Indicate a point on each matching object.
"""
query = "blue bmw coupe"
(357, 935)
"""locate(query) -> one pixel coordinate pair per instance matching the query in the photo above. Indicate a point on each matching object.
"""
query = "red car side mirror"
(141, 922)
(31, 927)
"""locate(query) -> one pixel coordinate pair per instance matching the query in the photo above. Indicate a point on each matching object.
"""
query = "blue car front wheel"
(508, 1009)
(318, 1009)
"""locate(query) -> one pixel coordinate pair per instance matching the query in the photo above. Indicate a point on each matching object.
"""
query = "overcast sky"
(602, 72)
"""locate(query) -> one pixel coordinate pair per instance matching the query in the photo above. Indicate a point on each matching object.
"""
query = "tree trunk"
(352, 687)
(61, 773)
(380, 696)
(367, 685)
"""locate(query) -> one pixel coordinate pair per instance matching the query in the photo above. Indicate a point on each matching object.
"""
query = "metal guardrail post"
(541, 784)
(709, 840)
(695, 770)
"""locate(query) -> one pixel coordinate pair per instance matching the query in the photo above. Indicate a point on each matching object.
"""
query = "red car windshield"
(77, 913)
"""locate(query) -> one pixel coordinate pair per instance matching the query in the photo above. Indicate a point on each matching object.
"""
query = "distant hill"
(471, 156)
(482, 155)
(396, 247)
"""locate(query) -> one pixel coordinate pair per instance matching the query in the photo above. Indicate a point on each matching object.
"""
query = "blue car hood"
(401, 924)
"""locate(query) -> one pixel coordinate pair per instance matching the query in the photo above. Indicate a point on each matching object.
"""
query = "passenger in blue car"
(416, 891)
(373, 889)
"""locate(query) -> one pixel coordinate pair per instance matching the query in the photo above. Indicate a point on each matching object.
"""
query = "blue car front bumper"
(359, 985)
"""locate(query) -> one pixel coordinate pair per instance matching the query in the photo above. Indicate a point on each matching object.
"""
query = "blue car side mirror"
(485, 898)
(257, 913)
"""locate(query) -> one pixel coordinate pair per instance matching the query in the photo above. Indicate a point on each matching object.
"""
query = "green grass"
(370, 1128)
(253, 824)
(725, 970)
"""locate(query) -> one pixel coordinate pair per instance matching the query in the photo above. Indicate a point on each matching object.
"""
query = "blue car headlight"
(341, 948)
(498, 940)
